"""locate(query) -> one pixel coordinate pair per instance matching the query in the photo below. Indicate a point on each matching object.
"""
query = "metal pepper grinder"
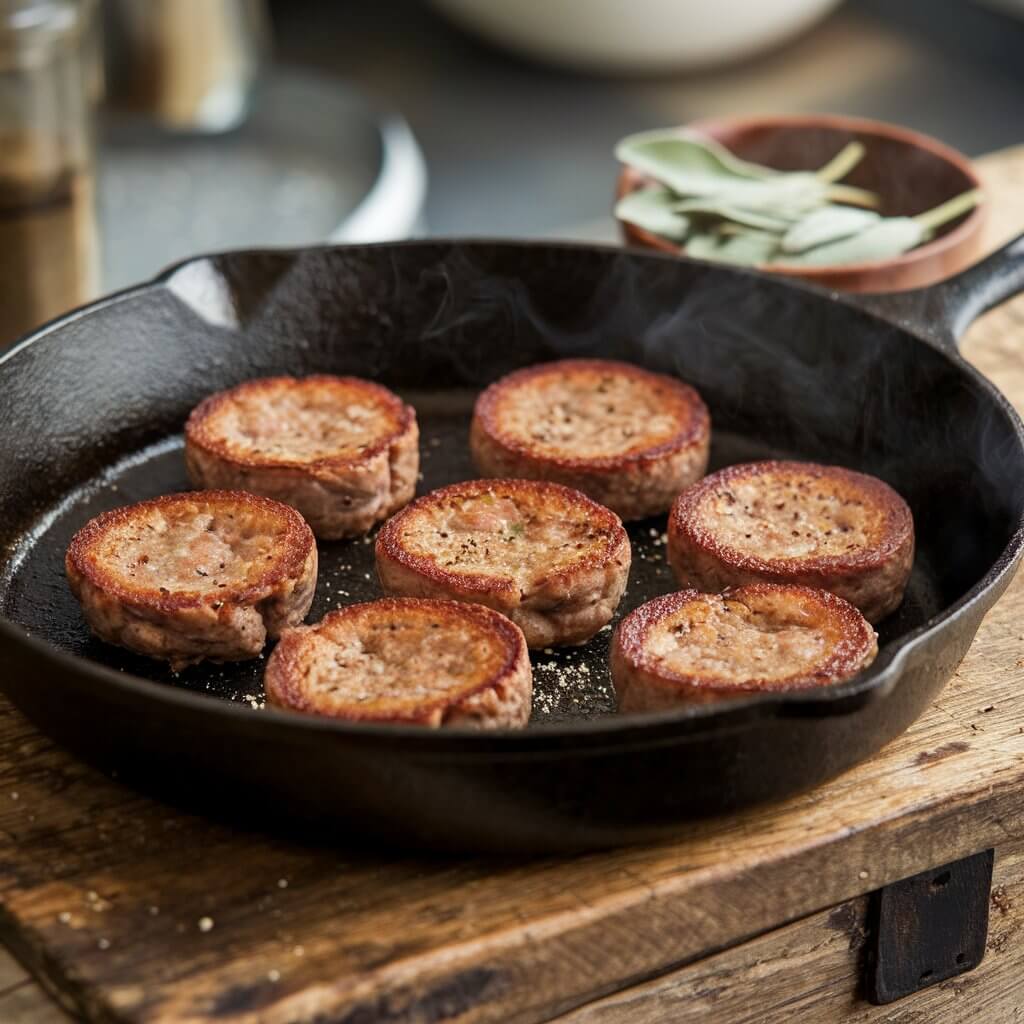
(48, 234)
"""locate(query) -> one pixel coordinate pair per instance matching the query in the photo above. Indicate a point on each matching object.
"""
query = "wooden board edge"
(813, 970)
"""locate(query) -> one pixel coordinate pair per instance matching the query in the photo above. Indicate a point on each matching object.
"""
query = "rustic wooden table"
(123, 909)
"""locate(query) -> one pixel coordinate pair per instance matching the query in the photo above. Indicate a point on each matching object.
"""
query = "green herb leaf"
(889, 236)
(652, 210)
(855, 196)
(723, 210)
(684, 164)
(826, 224)
(882, 240)
(671, 156)
(950, 210)
(694, 167)
(842, 163)
(747, 248)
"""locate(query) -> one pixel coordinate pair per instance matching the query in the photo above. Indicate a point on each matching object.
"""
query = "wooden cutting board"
(127, 910)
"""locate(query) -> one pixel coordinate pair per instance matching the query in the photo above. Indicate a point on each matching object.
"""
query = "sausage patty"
(404, 660)
(551, 559)
(688, 647)
(795, 522)
(343, 451)
(206, 574)
(628, 438)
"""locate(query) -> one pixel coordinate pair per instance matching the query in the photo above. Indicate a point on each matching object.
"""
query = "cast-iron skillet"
(91, 414)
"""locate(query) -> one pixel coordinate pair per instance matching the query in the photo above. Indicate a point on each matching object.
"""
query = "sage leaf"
(826, 224)
(854, 196)
(736, 214)
(887, 237)
(748, 248)
(842, 163)
(652, 210)
(785, 197)
(696, 167)
(950, 209)
(675, 158)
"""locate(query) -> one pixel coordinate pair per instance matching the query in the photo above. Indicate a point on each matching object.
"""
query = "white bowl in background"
(623, 36)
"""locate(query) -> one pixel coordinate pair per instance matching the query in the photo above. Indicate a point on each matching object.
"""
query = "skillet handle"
(943, 311)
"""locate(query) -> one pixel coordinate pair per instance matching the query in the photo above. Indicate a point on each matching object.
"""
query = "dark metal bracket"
(929, 928)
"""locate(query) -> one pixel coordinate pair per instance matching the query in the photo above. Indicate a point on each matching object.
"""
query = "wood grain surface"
(134, 912)
(811, 971)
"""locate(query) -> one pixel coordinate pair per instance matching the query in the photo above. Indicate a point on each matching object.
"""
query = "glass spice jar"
(48, 231)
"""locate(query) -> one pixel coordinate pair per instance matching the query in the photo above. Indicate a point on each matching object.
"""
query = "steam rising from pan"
(787, 371)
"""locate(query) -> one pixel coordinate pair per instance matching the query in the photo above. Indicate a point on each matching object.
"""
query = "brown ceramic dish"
(910, 171)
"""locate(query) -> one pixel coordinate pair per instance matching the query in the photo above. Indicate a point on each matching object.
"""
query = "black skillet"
(91, 410)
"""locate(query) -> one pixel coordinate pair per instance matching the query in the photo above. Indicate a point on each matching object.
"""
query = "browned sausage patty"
(795, 522)
(206, 574)
(689, 647)
(546, 556)
(405, 660)
(341, 450)
(628, 438)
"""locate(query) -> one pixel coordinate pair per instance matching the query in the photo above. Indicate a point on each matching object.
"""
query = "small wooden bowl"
(910, 171)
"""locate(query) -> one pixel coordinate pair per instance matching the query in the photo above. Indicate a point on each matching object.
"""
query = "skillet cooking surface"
(91, 412)
(569, 683)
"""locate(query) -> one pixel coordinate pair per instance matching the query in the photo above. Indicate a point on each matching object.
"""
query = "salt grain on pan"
(64, 917)
(103, 944)
(282, 883)
(273, 975)
(205, 924)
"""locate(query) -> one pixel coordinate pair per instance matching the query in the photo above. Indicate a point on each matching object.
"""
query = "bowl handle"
(942, 312)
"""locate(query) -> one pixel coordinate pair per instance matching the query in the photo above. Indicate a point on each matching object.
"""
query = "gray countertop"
(515, 148)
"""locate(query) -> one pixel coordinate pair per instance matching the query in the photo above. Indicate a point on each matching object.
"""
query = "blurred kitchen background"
(228, 123)
(517, 147)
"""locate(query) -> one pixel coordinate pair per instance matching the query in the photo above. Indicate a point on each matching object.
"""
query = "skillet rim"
(591, 736)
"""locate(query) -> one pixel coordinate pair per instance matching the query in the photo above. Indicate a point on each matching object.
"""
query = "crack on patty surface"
(729, 639)
(789, 516)
(181, 549)
(410, 659)
(690, 647)
(303, 420)
(502, 533)
(590, 413)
